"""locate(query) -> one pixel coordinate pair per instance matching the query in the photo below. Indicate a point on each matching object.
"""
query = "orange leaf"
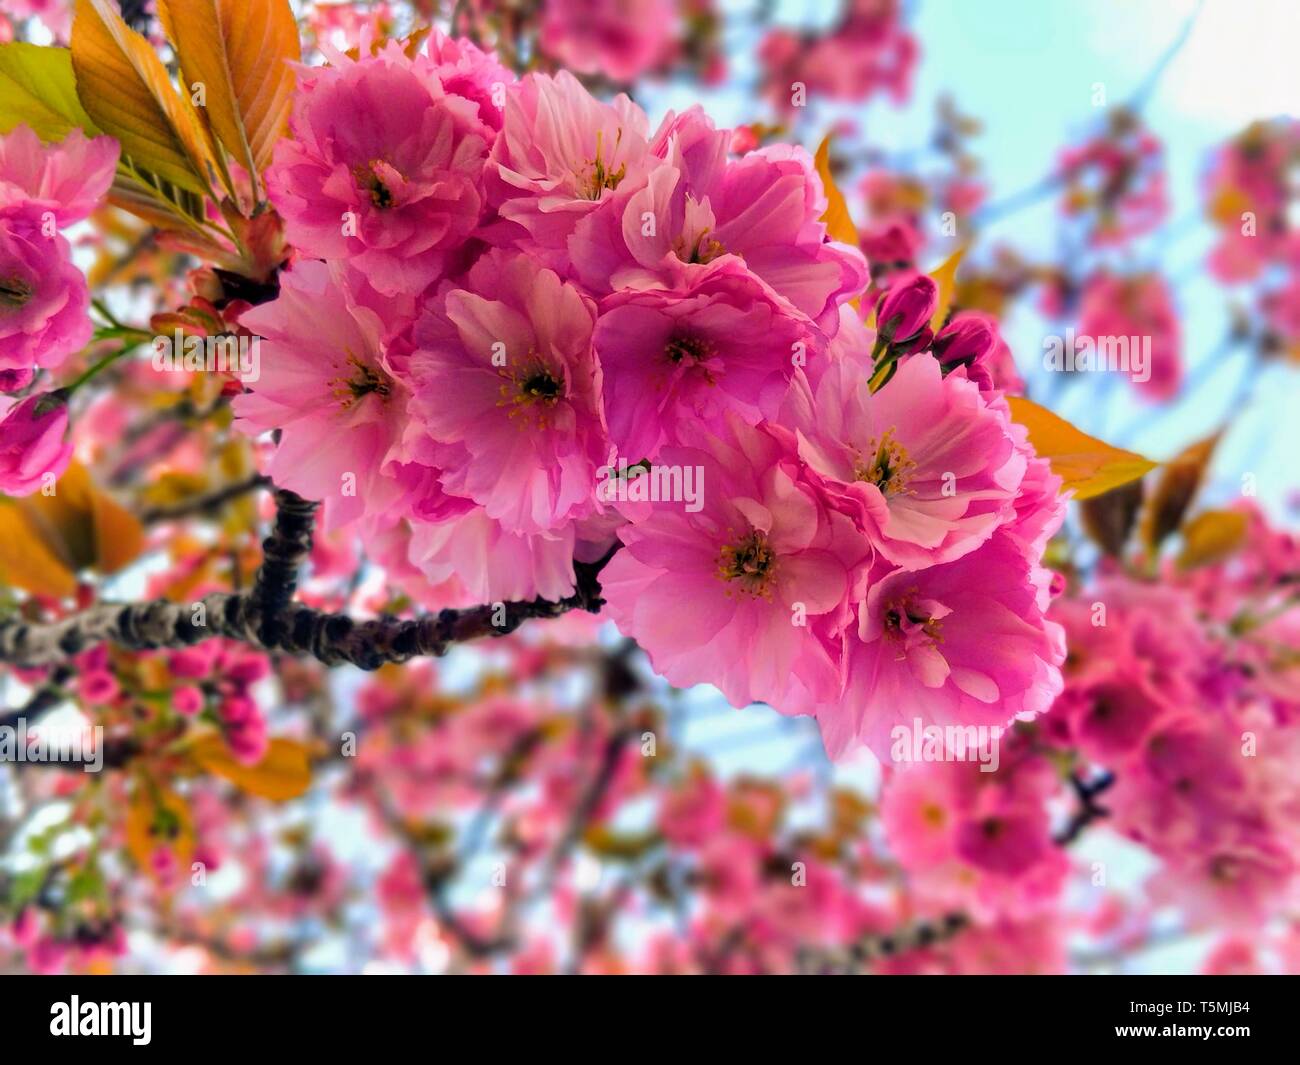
(283, 774)
(46, 540)
(27, 560)
(158, 818)
(945, 276)
(1176, 488)
(240, 52)
(1211, 536)
(126, 90)
(1087, 466)
(839, 223)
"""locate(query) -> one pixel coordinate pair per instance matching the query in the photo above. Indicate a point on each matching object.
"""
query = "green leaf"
(37, 88)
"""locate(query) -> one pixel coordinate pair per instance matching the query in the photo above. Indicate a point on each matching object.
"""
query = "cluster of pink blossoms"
(516, 312)
(43, 297)
(1182, 689)
(1137, 306)
(870, 51)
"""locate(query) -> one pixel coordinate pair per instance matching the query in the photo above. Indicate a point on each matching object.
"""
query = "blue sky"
(1027, 69)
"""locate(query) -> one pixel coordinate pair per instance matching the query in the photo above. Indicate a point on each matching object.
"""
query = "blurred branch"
(267, 618)
(205, 504)
(1089, 809)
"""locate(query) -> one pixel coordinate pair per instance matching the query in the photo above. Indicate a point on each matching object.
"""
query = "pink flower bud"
(32, 442)
(249, 741)
(906, 307)
(187, 700)
(238, 709)
(191, 663)
(97, 687)
(963, 342)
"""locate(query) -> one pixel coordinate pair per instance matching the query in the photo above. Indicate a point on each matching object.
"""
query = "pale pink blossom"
(505, 380)
(43, 298)
(68, 179)
(34, 451)
(326, 385)
(383, 168)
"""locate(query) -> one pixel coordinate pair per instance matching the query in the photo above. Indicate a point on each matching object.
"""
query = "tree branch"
(1089, 810)
(267, 619)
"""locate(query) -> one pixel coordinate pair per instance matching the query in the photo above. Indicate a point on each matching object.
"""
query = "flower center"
(373, 185)
(679, 349)
(889, 468)
(905, 619)
(542, 386)
(749, 562)
(532, 388)
(365, 380)
(932, 814)
(703, 250)
(597, 176)
(14, 292)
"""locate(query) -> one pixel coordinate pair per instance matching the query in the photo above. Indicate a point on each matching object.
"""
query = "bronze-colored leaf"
(1175, 489)
(125, 89)
(1108, 519)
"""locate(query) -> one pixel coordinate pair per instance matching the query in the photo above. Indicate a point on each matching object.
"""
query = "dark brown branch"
(205, 504)
(865, 950)
(266, 617)
(45, 698)
(1089, 809)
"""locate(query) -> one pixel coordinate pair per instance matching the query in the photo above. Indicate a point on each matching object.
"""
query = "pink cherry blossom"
(326, 385)
(33, 449)
(43, 297)
(961, 643)
(504, 378)
(68, 179)
(696, 207)
(621, 39)
(674, 358)
(926, 465)
(561, 155)
(746, 593)
(1141, 309)
(383, 168)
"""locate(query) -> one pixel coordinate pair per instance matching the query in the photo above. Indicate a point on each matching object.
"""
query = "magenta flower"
(43, 298)
(325, 383)
(32, 443)
(561, 155)
(696, 207)
(383, 168)
(505, 378)
(68, 179)
(621, 39)
(963, 643)
(928, 468)
(747, 592)
(674, 358)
